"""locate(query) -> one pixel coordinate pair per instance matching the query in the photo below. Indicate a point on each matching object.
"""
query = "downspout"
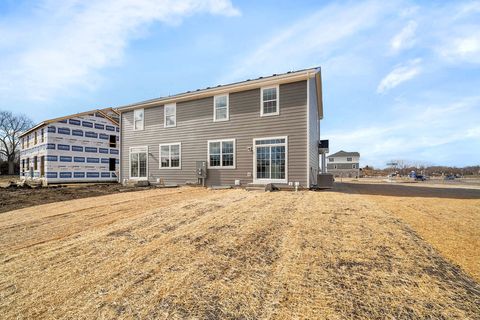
(119, 178)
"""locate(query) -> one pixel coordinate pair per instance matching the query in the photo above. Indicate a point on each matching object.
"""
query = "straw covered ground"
(193, 253)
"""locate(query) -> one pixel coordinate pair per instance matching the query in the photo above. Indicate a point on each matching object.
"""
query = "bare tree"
(11, 126)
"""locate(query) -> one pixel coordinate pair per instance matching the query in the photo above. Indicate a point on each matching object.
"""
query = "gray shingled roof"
(342, 153)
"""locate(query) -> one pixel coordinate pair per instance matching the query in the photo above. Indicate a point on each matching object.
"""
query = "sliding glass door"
(138, 162)
(270, 160)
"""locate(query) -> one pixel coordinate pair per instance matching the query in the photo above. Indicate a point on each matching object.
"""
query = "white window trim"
(165, 115)
(260, 181)
(278, 101)
(130, 164)
(143, 120)
(179, 144)
(221, 165)
(214, 107)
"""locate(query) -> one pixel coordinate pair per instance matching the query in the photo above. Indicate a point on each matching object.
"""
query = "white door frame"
(130, 164)
(265, 181)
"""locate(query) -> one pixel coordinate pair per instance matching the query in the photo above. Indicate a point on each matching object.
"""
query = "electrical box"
(201, 169)
(323, 146)
(325, 181)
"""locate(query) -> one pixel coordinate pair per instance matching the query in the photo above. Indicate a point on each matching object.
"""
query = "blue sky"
(401, 80)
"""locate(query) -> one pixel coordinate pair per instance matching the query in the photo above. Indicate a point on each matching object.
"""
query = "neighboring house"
(256, 131)
(82, 147)
(344, 164)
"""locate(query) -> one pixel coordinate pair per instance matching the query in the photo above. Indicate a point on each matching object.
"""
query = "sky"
(401, 79)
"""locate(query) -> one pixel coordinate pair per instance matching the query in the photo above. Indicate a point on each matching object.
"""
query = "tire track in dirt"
(232, 254)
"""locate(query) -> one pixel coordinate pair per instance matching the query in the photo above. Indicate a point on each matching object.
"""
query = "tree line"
(404, 167)
(11, 127)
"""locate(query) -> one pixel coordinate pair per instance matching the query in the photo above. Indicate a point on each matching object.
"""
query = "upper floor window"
(170, 115)
(221, 153)
(138, 120)
(35, 138)
(23, 143)
(331, 159)
(349, 159)
(269, 101)
(43, 135)
(170, 155)
(220, 108)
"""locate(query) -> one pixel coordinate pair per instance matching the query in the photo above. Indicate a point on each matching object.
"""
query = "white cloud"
(399, 74)
(405, 39)
(68, 42)
(462, 49)
(413, 132)
(311, 40)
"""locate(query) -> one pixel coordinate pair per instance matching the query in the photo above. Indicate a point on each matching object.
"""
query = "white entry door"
(270, 162)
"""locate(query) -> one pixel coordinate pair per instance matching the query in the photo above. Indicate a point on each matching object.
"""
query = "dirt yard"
(17, 198)
(193, 253)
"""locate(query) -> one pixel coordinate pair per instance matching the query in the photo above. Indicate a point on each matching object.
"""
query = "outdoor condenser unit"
(201, 171)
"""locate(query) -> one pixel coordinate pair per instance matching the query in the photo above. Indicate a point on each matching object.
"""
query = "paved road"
(403, 190)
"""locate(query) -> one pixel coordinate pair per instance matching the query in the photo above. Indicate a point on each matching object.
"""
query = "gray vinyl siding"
(313, 131)
(343, 166)
(195, 126)
(344, 169)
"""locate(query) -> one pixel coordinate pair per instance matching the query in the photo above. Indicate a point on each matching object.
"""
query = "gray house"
(257, 131)
(344, 164)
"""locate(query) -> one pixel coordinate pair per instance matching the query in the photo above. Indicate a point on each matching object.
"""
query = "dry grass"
(191, 253)
(452, 226)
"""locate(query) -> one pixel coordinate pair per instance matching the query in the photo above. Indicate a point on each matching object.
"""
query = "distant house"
(344, 164)
(82, 147)
(258, 131)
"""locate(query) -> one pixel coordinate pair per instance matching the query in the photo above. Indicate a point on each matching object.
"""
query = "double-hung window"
(138, 121)
(269, 101)
(170, 155)
(349, 159)
(220, 107)
(170, 115)
(221, 154)
(138, 162)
